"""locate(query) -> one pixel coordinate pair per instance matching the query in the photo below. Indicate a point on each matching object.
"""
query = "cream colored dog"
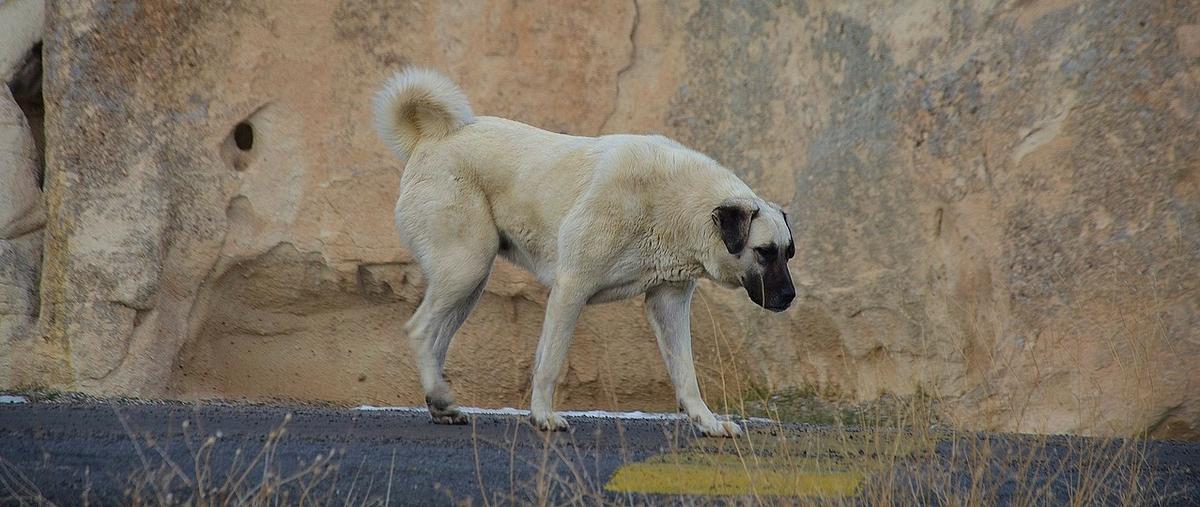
(596, 219)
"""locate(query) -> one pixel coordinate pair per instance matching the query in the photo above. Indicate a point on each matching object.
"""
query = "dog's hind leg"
(447, 303)
(455, 244)
(669, 309)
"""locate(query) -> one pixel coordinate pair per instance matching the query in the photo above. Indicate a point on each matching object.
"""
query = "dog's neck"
(698, 240)
(681, 222)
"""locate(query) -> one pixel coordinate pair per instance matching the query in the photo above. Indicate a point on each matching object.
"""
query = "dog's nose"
(784, 300)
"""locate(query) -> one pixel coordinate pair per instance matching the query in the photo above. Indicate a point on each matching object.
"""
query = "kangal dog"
(596, 219)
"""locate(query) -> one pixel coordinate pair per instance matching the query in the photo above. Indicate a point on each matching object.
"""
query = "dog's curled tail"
(418, 104)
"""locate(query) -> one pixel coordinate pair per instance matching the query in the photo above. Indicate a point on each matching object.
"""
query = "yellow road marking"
(674, 479)
(815, 463)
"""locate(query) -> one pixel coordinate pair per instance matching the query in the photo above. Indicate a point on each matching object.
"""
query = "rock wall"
(998, 202)
(22, 213)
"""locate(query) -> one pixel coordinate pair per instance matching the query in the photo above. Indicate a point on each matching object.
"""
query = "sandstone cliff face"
(22, 213)
(999, 203)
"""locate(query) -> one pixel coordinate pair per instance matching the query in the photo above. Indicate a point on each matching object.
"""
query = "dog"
(596, 219)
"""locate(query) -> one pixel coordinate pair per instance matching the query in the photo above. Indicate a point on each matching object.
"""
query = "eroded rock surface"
(22, 212)
(996, 202)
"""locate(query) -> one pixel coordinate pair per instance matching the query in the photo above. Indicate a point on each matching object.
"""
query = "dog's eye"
(766, 252)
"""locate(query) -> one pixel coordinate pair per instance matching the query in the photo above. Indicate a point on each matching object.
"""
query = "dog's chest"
(674, 271)
(662, 262)
(617, 293)
(657, 275)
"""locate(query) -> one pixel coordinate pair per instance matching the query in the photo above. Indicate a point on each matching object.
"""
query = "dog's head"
(758, 243)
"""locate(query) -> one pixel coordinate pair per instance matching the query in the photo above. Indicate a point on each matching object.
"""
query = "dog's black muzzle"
(772, 290)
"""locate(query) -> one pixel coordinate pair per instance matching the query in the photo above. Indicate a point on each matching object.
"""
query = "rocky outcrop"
(996, 202)
(22, 213)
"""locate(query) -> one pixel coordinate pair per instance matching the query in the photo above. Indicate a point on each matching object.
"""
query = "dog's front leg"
(669, 309)
(562, 310)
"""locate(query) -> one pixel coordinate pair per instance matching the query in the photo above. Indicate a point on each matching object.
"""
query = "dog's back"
(527, 178)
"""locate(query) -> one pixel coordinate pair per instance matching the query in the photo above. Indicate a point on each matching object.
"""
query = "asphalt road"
(105, 453)
(115, 452)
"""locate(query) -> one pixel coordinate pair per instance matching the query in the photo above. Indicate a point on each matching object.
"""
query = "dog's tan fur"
(596, 219)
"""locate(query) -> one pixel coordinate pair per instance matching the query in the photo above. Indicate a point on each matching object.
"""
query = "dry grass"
(902, 460)
(897, 452)
(903, 447)
(900, 451)
(254, 477)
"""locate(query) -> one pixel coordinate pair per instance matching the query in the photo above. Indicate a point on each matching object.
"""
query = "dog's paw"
(719, 429)
(550, 422)
(445, 413)
(449, 417)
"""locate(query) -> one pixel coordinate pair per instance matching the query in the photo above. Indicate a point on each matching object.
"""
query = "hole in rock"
(243, 136)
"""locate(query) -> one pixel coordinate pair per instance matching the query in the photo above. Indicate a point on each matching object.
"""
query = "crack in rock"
(628, 65)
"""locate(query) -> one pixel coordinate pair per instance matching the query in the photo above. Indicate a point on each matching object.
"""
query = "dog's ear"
(732, 219)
